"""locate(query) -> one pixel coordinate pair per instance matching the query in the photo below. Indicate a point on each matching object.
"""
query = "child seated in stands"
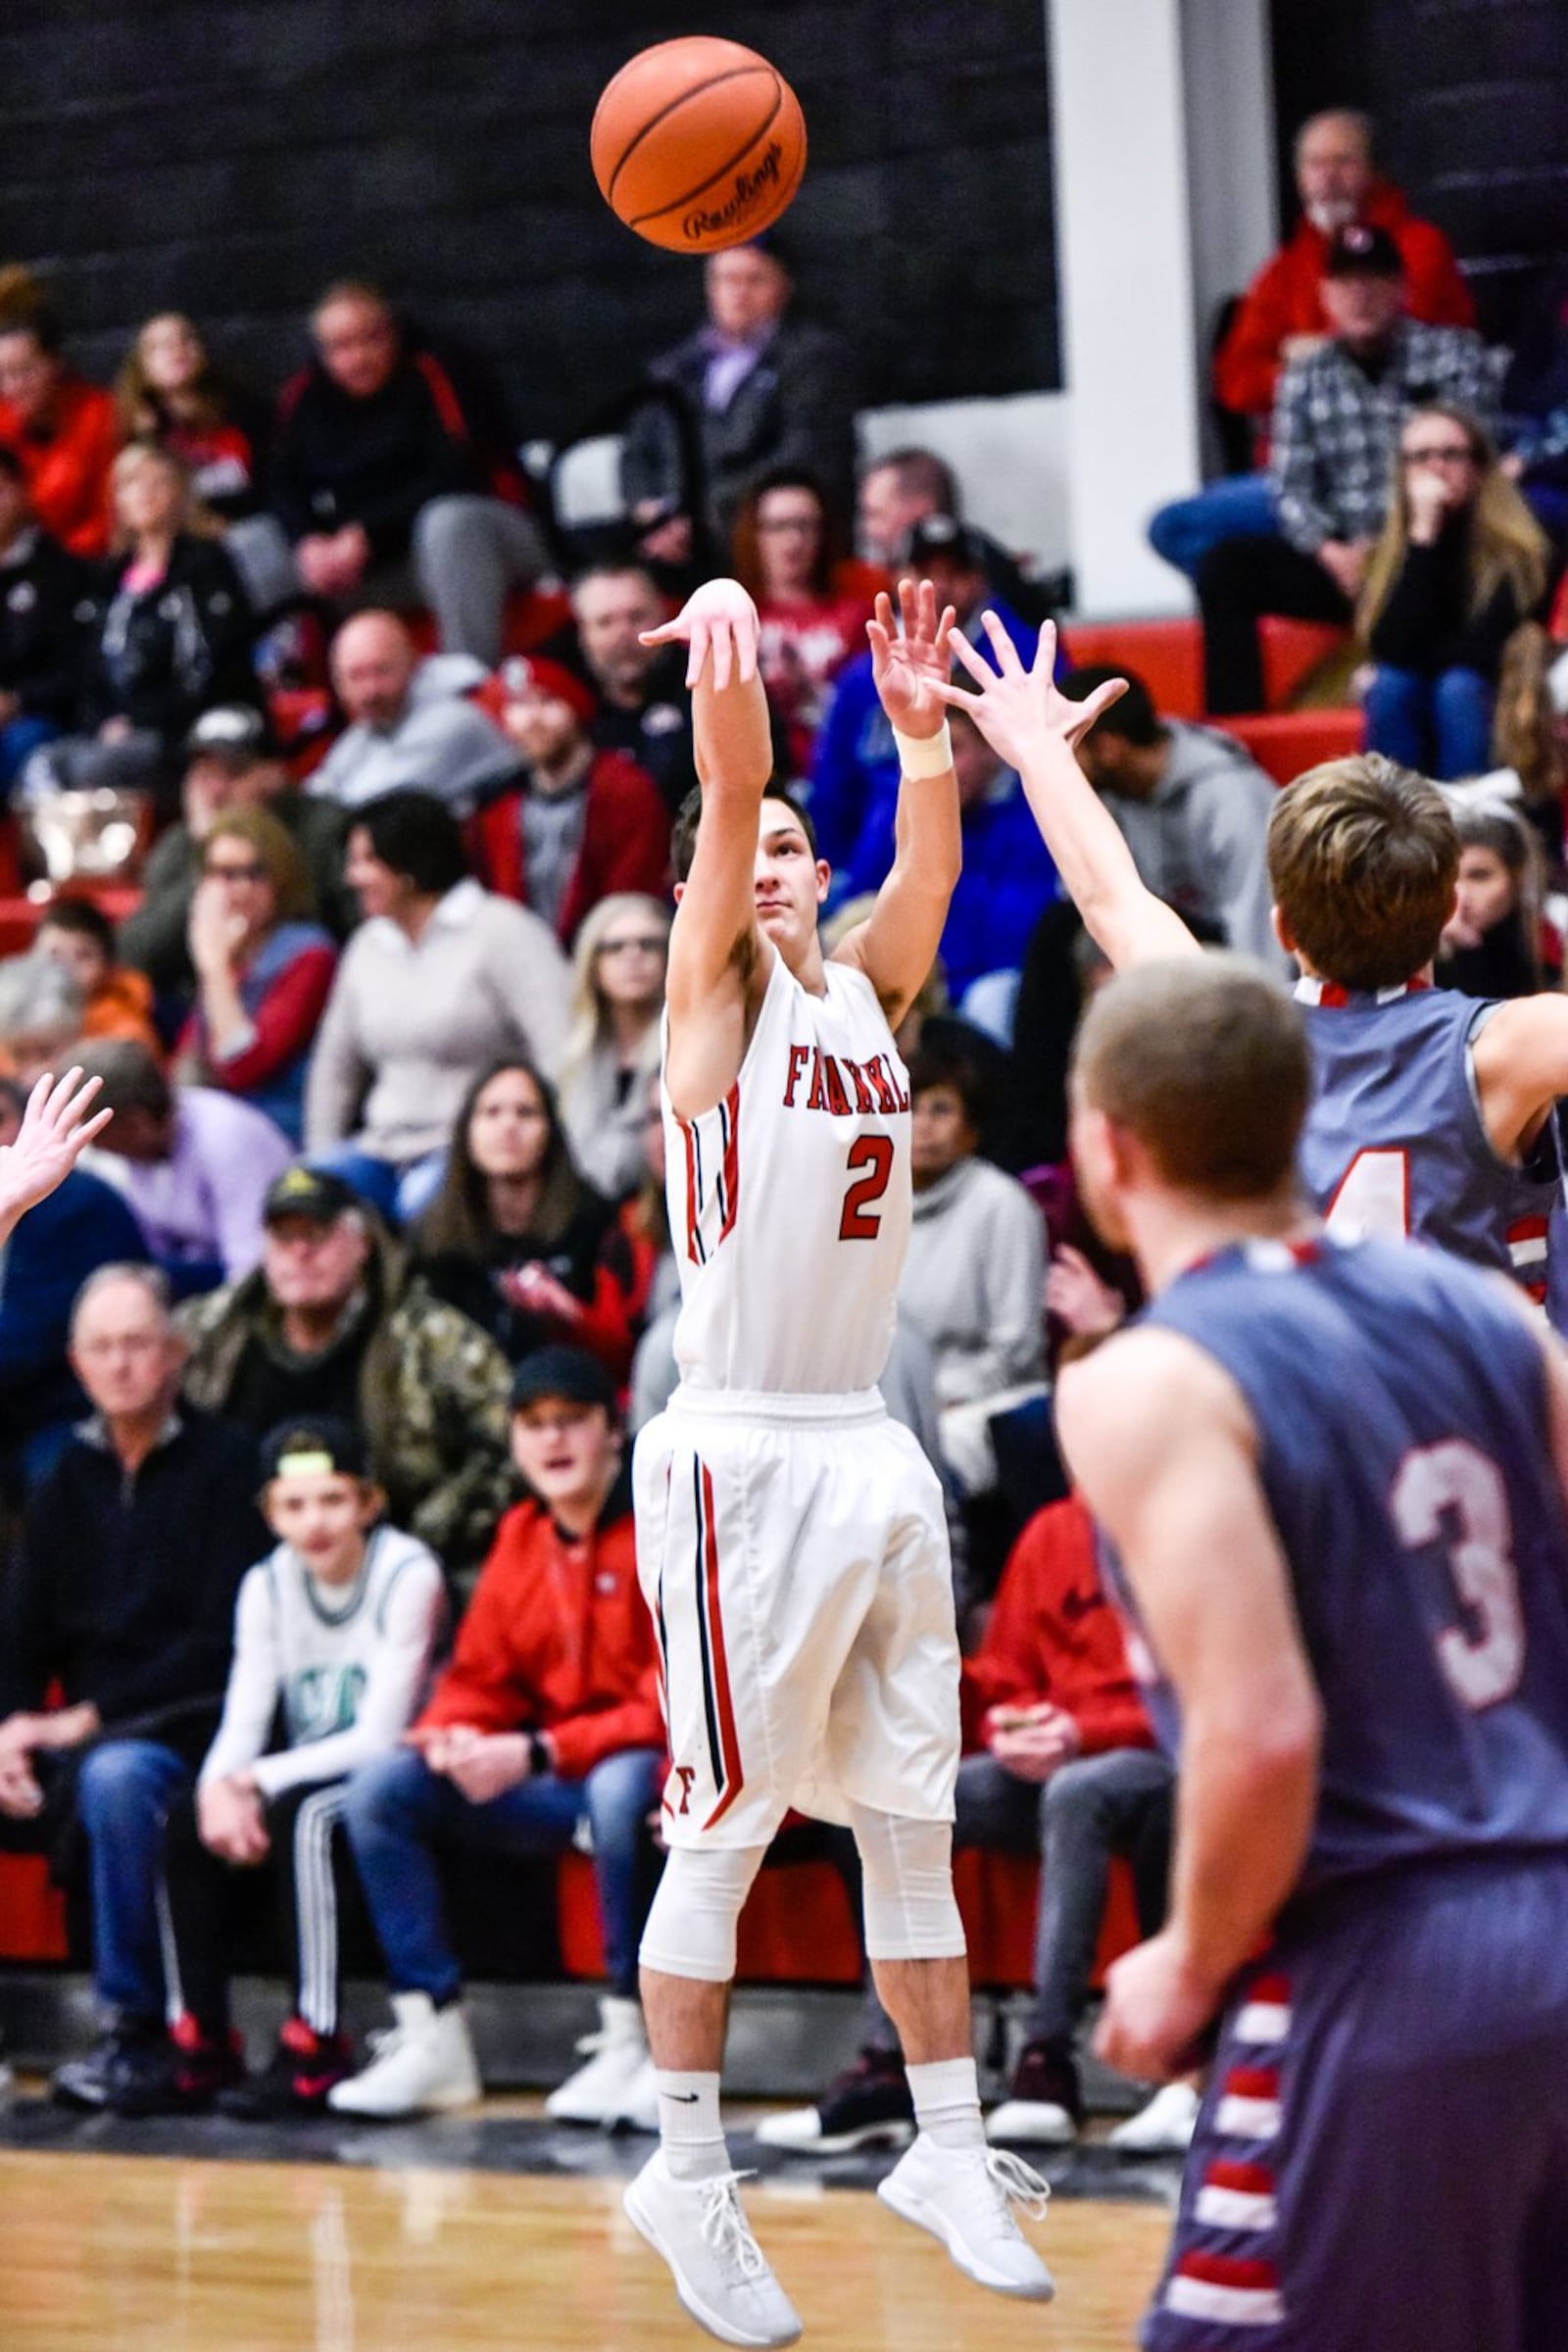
(337, 1628)
(78, 934)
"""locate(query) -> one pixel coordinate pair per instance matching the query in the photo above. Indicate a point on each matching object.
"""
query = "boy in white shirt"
(336, 1629)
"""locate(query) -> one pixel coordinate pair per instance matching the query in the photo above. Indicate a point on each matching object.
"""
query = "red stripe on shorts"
(734, 1774)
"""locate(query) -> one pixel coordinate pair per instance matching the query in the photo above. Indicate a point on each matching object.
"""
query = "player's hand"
(1032, 1742)
(1156, 2011)
(719, 620)
(231, 1820)
(1078, 1298)
(492, 1766)
(55, 1131)
(907, 669)
(1019, 711)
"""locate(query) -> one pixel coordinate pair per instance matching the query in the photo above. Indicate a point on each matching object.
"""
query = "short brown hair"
(1204, 1059)
(1362, 857)
(683, 839)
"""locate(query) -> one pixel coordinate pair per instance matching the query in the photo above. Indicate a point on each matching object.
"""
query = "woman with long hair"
(617, 968)
(264, 967)
(1461, 563)
(787, 548)
(1493, 943)
(515, 1237)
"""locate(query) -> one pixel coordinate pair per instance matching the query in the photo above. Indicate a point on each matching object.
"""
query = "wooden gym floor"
(112, 2252)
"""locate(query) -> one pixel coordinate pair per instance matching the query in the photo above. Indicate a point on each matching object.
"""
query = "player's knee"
(691, 1926)
(910, 1910)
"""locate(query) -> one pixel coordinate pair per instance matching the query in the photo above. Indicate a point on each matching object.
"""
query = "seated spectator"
(78, 1227)
(194, 1166)
(330, 1323)
(580, 822)
(1281, 318)
(42, 1006)
(335, 1635)
(124, 1597)
(644, 709)
(1493, 943)
(117, 1001)
(766, 389)
(1459, 563)
(612, 1048)
(1337, 422)
(230, 762)
(263, 969)
(975, 1273)
(409, 727)
(442, 980)
(908, 486)
(515, 1239)
(1193, 807)
(645, 1223)
(523, 1748)
(381, 483)
(170, 636)
(785, 556)
(42, 590)
(1061, 1763)
(855, 776)
(63, 431)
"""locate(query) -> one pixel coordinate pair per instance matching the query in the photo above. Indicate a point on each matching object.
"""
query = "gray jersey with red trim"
(790, 1201)
(1394, 1142)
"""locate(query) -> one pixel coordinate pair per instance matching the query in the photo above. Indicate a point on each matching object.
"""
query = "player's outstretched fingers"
(721, 640)
(967, 658)
(1002, 646)
(1044, 664)
(1094, 706)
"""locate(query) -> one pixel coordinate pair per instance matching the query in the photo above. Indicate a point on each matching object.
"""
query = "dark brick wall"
(226, 156)
(1471, 98)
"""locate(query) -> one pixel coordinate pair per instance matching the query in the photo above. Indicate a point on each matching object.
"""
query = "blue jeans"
(19, 740)
(124, 1790)
(1441, 726)
(399, 1814)
(1238, 506)
(399, 1194)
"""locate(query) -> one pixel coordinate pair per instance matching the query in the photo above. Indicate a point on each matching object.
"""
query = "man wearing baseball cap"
(546, 1724)
(580, 822)
(1337, 419)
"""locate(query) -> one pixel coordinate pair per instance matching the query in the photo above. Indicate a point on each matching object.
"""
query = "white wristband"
(924, 755)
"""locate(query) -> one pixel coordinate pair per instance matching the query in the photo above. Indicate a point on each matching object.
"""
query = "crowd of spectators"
(377, 1233)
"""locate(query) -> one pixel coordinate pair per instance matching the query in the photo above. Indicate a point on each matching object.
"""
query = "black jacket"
(1427, 625)
(42, 609)
(375, 461)
(125, 1589)
(162, 657)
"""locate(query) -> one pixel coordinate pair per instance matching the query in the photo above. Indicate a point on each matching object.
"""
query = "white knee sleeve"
(691, 1926)
(911, 1912)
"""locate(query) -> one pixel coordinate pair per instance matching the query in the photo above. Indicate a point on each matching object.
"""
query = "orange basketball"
(698, 145)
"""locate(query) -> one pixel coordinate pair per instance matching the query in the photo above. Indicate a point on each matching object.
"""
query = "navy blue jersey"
(1400, 1409)
(1394, 1142)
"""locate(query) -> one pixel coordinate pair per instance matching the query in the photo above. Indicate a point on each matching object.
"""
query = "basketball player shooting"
(1335, 1478)
(54, 1133)
(792, 1544)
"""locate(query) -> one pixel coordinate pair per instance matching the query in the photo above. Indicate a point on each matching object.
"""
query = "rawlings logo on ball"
(750, 188)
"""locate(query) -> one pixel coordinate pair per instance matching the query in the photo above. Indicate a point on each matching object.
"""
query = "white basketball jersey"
(790, 1202)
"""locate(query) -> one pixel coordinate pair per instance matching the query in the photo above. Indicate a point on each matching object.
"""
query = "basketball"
(698, 145)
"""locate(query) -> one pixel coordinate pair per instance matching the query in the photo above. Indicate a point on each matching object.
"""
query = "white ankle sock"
(947, 2102)
(689, 2126)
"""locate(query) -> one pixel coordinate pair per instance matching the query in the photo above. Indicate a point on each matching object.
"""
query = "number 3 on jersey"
(1453, 1495)
(1373, 1199)
(860, 1219)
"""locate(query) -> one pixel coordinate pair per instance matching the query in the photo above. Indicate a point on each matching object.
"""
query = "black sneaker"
(870, 2106)
(303, 2068)
(196, 2067)
(1045, 2105)
(135, 2053)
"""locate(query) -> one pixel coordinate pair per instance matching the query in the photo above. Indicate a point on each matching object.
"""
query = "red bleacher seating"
(1166, 655)
(32, 1911)
(1285, 743)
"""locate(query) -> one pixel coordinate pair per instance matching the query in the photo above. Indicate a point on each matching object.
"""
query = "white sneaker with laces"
(424, 2066)
(616, 2085)
(1164, 2127)
(721, 2274)
(966, 2197)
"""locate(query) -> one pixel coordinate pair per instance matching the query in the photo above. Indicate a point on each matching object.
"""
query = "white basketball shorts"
(794, 1553)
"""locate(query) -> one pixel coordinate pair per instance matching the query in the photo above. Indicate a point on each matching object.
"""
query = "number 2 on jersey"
(1373, 1199)
(1482, 1656)
(861, 1220)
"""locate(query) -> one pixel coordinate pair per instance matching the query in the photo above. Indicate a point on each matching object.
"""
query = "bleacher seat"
(1285, 743)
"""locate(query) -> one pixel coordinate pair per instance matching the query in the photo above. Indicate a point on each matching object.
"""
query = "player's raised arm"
(716, 960)
(55, 1131)
(897, 945)
(1036, 730)
(1163, 1450)
(1520, 1059)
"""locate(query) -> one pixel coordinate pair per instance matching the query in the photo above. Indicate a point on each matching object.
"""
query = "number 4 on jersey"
(1373, 1199)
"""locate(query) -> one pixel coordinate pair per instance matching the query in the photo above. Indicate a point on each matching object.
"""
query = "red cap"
(526, 674)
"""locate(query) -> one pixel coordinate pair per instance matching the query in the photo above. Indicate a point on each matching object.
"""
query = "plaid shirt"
(1336, 431)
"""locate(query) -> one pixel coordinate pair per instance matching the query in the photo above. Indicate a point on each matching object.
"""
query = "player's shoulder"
(1140, 1395)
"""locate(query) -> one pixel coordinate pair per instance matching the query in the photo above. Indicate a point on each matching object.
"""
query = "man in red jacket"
(546, 1725)
(1062, 1764)
(583, 822)
(1281, 317)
